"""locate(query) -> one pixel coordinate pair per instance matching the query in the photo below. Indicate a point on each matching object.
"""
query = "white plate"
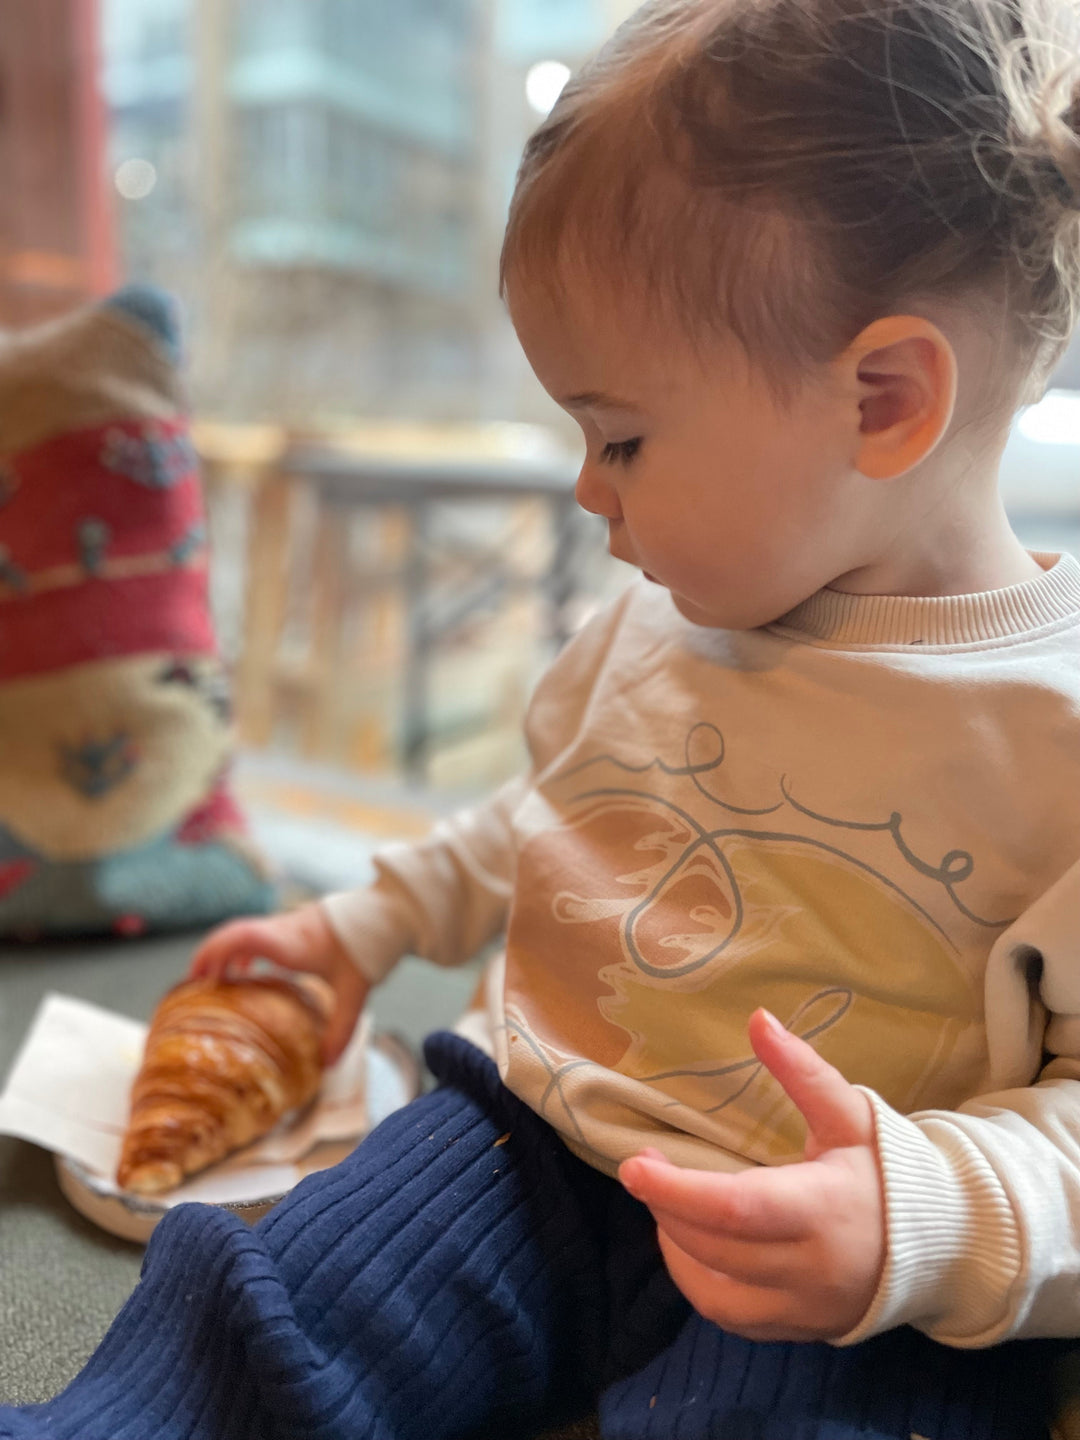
(393, 1079)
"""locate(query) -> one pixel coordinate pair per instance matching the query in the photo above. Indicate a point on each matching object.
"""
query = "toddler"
(766, 1123)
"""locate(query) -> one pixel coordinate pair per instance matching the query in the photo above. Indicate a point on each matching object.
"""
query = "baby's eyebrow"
(595, 400)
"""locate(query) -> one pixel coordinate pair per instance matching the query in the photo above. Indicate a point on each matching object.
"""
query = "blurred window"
(329, 187)
(323, 185)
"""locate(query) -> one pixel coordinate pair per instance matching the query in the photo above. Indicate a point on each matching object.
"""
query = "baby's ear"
(906, 380)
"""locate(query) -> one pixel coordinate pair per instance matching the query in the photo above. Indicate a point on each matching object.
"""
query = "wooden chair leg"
(265, 610)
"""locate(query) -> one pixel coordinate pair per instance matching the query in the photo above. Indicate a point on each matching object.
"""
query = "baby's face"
(740, 504)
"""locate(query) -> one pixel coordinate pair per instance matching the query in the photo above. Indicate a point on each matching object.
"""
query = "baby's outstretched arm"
(792, 1252)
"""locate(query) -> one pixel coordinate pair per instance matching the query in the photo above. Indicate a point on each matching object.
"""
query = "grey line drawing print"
(956, 866)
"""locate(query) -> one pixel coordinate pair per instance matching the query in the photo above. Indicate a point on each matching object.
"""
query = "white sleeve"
(983, 1203)
(442, 899)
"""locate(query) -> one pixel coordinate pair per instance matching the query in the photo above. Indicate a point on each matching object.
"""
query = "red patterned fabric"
(92, 473)
(105, 619)
(219, 813)
(84, 511)
(13, 874)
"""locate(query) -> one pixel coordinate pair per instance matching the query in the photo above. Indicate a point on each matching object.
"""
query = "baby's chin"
(696, 614)
(709, 618)
(715, 619)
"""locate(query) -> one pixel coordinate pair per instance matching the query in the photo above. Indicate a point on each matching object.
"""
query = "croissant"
(224, 1062)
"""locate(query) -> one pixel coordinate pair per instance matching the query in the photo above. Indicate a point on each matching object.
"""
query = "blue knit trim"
(155, 310)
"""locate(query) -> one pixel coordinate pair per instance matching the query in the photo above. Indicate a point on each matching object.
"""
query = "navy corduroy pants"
(463, 1275)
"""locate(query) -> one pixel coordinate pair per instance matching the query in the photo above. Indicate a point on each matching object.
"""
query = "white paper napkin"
(69, 1090)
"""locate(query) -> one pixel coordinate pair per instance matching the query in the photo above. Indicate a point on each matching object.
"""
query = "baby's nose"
(596, 494)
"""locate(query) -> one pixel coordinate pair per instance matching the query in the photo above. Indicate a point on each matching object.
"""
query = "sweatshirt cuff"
(954, 1250)
(374, 928)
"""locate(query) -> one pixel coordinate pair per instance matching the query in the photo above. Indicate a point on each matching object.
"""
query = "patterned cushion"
(115, 735)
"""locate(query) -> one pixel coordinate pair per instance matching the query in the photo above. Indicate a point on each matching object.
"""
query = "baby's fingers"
(234, 947)
(766, 1204)
(773, 1264)
(757, 1312)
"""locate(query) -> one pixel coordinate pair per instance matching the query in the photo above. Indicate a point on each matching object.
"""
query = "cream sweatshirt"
(865, 817)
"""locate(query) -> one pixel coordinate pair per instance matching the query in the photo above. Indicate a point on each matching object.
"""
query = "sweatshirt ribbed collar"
(884, 620)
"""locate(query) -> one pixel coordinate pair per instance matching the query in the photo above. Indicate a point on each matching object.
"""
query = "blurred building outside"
(324, 183)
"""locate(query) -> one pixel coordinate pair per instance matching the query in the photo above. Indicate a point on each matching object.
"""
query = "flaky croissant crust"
(224, 1062)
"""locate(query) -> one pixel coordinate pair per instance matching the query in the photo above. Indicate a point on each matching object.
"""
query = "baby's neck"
(980, 564)
(944, 534)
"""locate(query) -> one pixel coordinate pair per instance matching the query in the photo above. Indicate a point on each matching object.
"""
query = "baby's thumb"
(343, 1020)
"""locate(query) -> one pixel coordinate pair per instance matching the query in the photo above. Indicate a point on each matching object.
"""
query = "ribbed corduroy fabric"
(463, 1275)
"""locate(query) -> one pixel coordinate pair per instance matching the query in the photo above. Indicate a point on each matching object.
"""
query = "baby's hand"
(302, 940)
(791, 1252)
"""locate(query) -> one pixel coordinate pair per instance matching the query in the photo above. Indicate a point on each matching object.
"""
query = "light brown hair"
(791, 170)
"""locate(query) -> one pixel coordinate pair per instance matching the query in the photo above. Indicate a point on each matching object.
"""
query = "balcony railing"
(383, 606)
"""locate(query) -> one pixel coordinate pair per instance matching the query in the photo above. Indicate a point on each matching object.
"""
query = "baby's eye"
(623, 452)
